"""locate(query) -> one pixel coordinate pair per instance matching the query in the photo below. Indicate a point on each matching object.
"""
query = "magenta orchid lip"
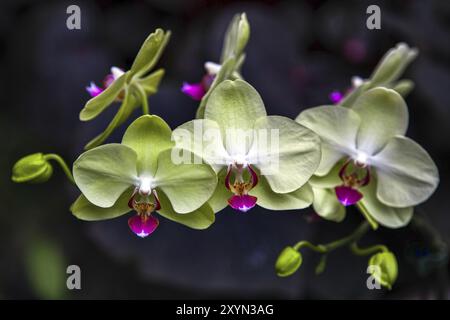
(241, 200)
(143, 223)
(348, 193)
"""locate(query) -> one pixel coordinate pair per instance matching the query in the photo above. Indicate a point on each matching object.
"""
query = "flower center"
(245, 179)
(144, 203)
(354, 175)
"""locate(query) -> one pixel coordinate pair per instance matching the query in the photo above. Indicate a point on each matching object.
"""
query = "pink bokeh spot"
(336, 97)
(347, 195)
(195, 90)
(142, 225)
(94, 90)
(242, 203)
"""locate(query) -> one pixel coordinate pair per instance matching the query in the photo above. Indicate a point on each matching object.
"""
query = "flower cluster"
(352, 152)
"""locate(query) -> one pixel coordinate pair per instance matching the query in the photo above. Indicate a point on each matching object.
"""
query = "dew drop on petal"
(142, 225)
(347, 195)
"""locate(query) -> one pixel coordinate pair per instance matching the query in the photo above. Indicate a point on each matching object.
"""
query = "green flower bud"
(383, 267)
(33, 168)
(288, 262)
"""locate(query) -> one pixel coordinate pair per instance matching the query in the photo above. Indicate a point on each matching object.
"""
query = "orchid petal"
(384, 114)
(148, 136)
(236, 37)
(387, 216)
(393, 64)
(290, 160)
(406, 173)
(125, 109)
(96, 105)
(330, 180)
(199, 219)
(234, 105)
(225, 72)
(298, 199)
(150, 52)
(327, 205)
(104, 173)
(337, 127)
(188, 186)
(85, 210)
(219, 199)
(203, 138)
(151, 82)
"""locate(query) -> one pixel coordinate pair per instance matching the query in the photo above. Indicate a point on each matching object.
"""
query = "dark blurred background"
(299, 51)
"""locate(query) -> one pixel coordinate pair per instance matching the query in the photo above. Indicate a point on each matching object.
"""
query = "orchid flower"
(131, 87)
(386, 74)
(231, 60)
(257, 157)
(139, 175)
(367, 159)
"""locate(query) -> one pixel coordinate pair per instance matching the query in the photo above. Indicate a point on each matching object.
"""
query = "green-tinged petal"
(387, 216)
(336, 126)
(393, 64)
(329, 157)
(330, 180)
(235, 105)
(151, 82)
(104, 173)
(354, 94)
(219, 199)
(406, 173)
(85, 210)
(384, 268)
(225, 72)
(285, 152)
(188, 186)
(126, 108)
(99, 103)
(327, 206)
(203, 138)
(148, 136)
(404, 87)
(383, 114)
(199, 219)
(236, 37)
(150, 52)
(298, 199)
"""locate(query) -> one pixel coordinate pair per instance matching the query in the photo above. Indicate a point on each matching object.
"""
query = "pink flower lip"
(143, 225)
(94, 90)
(336, 97)
(242, 203)
(195, 90)
(347, 195)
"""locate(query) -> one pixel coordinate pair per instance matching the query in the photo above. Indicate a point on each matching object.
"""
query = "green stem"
(145, 109)
(325, 248)
(362, 208)
(62, 164)
(369, 250)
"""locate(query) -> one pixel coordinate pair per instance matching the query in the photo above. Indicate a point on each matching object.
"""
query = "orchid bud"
(383, 267)
(33, 168)
(288, 262)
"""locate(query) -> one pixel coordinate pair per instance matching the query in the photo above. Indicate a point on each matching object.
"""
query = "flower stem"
(62, 164)
(325, 248)
(369, 250)
(362, 208)
(145, 109)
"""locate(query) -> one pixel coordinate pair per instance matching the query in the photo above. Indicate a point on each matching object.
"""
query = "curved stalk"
(62, 164)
